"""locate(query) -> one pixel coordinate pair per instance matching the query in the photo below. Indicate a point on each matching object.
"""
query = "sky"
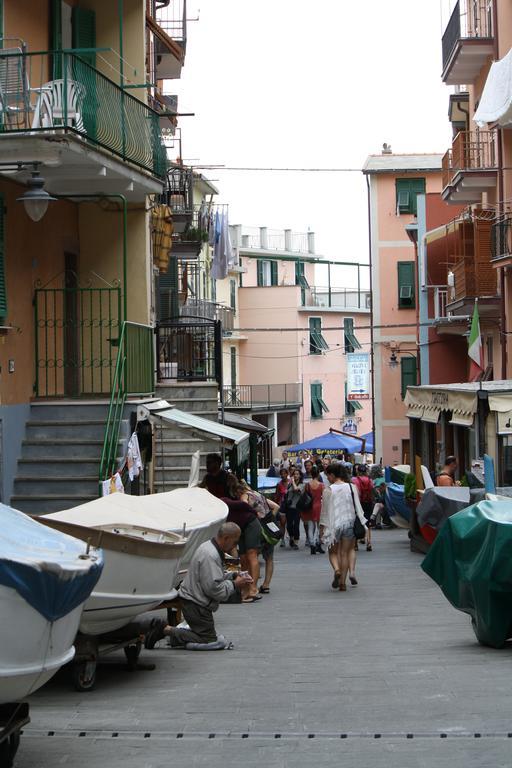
(290, 83)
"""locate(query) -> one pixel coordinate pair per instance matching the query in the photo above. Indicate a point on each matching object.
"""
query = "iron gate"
(76, 340)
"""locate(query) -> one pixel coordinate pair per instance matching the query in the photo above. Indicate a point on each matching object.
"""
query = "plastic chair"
(53, 111)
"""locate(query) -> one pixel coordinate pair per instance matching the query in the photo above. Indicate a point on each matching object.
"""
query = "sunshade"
(369, 442)
(470, 560)
(330, 441)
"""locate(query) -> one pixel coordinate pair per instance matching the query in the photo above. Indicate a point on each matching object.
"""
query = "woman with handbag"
(293, 494)
(311, 516)
(342, 521)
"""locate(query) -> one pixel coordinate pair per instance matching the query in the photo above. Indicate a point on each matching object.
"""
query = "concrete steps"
(60, 455)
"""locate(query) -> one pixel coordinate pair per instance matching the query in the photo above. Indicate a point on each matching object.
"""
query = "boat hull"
(128, 586)
(32, 648)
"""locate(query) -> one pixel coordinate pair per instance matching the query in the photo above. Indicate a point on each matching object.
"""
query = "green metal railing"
(81, 100)
(134, 375)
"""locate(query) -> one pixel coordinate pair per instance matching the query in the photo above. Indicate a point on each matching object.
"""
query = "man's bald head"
(228, 536)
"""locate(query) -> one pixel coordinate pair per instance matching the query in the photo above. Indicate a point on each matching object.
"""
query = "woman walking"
(249, 544)
(340, 505)
(366, 489)
(279, 498)
(311, 517)
(293, 494)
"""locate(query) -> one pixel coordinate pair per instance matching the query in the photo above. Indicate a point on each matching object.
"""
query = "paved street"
(386, 674)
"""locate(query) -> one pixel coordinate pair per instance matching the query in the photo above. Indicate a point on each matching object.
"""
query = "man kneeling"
(205, 586)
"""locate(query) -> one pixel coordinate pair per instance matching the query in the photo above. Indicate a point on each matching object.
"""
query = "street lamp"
(393, 360)
(35, 198)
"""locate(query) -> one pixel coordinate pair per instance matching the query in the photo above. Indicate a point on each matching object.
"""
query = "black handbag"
(304, 502)
(359, 528)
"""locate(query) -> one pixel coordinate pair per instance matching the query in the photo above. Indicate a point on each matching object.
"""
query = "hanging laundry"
(113, 485)
(133, 458)
(223, 250)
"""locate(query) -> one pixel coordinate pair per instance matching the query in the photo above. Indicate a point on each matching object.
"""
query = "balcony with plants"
(113, 141)
(468, 41)
(470, 167)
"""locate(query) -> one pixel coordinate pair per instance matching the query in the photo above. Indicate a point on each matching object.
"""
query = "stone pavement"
(386, 674)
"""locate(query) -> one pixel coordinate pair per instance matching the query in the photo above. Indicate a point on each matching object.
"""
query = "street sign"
(358, 376)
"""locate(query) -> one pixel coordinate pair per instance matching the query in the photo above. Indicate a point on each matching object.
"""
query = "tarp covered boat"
(472, 563)
(45, 579)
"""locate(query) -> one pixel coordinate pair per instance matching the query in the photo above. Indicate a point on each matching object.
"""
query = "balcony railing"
(472, 152)
(337, 298)
(189, 350)
(209, 310)
(262, 396)
(172, 18)
(501, 239)
(470, 20)
(440, 302)
(262, 238)
(44, 92)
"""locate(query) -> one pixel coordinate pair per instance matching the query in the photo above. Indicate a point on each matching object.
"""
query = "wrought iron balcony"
(168, 23)
(501, 239)
(467, 41)
(209, 310)
(50, 94)
(189, 350)
(470, 167)
(263, 397)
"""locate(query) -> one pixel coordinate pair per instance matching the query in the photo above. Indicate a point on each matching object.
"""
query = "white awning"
(431, 415)
(496, 100)
(432, 401)
(462, 419)
(161, 410)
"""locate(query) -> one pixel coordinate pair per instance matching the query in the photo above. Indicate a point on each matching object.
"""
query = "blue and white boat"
(45, 579)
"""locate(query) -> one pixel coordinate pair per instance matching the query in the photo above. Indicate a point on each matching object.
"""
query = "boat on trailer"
(45, 579)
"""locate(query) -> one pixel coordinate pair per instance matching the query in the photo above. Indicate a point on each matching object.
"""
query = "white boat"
(192, 512)
(45, 578)
(141, 564)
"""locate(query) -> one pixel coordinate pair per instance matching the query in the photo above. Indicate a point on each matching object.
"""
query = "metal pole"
(120, 10)
(372, 354)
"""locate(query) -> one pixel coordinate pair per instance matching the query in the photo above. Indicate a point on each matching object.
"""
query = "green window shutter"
(259, 267)
(84, 32)
(315, 330)
(232, 354)
(316, 395)
(408, 373)
(3, 287)
(56, 37)
(348, 329)
(273, 273)
(232, 295)
(406, 285)
(407, 190)
(349, 407)
(299, 272)
(1, 22)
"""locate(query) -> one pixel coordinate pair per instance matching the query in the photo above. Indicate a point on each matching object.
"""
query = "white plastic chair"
(50, 109)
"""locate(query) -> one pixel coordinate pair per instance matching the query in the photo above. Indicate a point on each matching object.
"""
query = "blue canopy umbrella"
(330, 441)
(369, 442)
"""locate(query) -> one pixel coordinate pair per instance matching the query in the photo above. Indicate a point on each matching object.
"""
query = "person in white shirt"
(340, 505)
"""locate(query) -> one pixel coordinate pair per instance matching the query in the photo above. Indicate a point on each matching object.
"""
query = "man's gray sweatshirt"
(206, 582)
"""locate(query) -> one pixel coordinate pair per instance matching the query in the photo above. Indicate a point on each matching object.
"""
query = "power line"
(277, 170)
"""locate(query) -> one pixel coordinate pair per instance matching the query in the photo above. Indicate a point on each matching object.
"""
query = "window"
(267, 273)
(317, 343)
(318, 407)
(351, 406)
(407, 190)
(232, 356)
(300, 279)
(351, 342)
(406, 285)
(408, 373)
(3, 287)
(232, 295)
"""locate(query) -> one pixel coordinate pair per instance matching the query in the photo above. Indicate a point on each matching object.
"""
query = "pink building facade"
(296, 334)
(394, 183)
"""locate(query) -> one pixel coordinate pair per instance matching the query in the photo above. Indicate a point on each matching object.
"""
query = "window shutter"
(56, 37)
(407, 190)
(232, 352)
(408, 373)
(84, 32)
(232, 295)
(273, 273)
(316, 394)
(3, 287)
(259, 266)
(406, 285)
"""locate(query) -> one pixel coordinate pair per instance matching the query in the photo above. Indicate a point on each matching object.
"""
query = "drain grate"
(263, 735)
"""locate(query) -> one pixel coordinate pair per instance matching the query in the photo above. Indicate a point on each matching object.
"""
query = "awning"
(502, 406)
(162, 411)
(242, 422)
(432, 401)
(443, 231)
(496, 100)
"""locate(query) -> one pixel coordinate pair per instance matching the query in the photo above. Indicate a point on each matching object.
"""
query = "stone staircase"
(60, 455)
(174, 446)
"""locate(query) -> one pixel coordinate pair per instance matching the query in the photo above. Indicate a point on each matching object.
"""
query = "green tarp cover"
(471, 560)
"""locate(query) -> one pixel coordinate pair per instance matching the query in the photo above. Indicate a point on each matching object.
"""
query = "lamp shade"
(35, 198)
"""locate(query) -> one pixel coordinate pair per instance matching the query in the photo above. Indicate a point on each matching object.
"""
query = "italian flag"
(475, 349)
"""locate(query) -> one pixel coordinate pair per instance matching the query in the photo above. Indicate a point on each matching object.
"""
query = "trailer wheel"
(84, 675)
(132, 653)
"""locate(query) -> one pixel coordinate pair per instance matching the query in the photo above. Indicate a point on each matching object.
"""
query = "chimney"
(386, 149)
